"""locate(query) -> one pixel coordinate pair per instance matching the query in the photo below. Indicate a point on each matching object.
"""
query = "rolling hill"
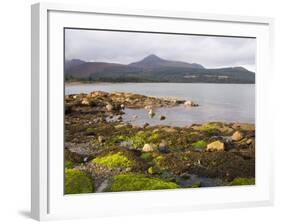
(154, 69)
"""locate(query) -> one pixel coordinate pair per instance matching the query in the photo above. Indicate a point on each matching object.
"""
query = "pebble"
(162, 117)
(101, 139)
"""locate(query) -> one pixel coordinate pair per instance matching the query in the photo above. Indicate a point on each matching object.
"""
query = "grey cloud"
(127, 47)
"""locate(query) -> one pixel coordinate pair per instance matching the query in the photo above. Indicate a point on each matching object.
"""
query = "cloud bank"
(127, 47)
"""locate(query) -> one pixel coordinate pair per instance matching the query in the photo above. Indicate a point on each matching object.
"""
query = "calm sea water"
(218, 102)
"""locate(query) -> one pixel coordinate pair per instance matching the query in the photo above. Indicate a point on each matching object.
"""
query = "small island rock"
(162, 117)
(145, 125)
(151, 113)
(190, 103)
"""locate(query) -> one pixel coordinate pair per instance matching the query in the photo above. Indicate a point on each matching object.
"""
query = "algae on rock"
(138, 182)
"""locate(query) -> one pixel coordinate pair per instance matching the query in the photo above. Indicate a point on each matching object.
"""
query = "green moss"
(90, 131)
(209, 127)
(146, 156)
(118, 139)
(68, 164)
(242, 181)
(77, 182)
(157, 161)
(139, 139)
(150, 170)
(137, 182)
(153, 137)
(193, 136)
(195, 185)
(201, 144)
(113, 160)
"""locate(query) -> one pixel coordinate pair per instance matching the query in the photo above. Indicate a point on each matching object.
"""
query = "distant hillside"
(72, 63)
(87, 69)
(154, 69)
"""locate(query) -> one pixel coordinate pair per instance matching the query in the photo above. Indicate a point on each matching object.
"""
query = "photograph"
(157, 111)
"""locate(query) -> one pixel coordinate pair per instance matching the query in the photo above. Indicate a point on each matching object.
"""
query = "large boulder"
(148, 148)
(215, 146)
(237, 136)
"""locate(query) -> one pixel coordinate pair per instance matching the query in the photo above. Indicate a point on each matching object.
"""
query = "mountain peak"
(153, 61)
(152, 57)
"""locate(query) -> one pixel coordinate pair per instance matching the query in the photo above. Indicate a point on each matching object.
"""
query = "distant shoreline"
(74, 83)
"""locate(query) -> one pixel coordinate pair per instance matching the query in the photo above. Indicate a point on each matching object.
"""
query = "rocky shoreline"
(103, 153)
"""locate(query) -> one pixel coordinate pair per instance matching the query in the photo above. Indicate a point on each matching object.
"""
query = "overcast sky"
(127, 47)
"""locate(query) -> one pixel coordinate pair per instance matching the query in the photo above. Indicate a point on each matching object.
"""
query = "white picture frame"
(48, 201)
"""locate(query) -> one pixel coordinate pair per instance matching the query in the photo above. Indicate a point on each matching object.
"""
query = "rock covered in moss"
(215, 146)
(77, 182)
(157, 161)
(68, 164)
(138, 182)
(151, 170)
(201, 144)
(146, 156)
(113, 161)
(242, 181)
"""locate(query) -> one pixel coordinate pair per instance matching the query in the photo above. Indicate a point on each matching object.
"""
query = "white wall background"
(15, 110)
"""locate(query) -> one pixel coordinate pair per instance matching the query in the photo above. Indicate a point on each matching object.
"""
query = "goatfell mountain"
(154, 69)
(153, 61)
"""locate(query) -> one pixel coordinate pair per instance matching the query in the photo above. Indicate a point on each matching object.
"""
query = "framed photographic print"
(148, 111)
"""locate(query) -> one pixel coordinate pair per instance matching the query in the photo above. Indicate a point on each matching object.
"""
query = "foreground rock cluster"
(104, 154)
